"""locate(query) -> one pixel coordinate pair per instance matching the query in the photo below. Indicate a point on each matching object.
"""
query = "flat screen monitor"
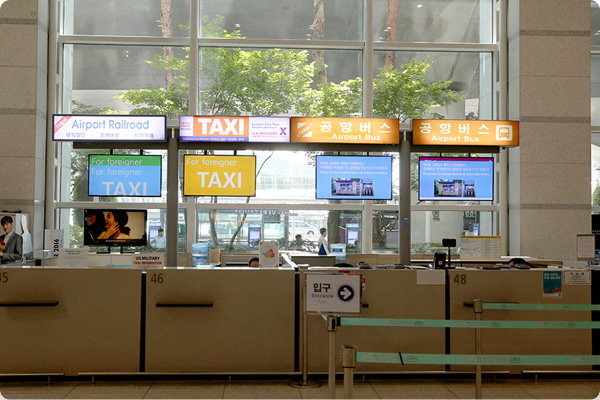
(456, 178)
(114, 227)
(124, 175)
(354, 177)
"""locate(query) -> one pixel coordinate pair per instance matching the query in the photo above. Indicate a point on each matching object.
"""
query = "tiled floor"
(270, 388)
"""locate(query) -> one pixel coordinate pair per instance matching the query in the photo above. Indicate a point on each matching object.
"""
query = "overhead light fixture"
(419, 5)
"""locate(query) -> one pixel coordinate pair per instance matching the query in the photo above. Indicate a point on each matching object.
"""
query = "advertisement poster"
(552, 284)
(110, 128)
(124, 175)
(268, 254)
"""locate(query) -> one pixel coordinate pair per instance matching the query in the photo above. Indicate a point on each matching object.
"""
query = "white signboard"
(54, 240)
(578, 277)
(110, 128)
(268, 255)
(148, 260)
(586, 247)
(73, 257)
(481, 248)
(333, 293)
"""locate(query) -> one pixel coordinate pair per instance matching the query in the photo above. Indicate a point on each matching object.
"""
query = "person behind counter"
(11, 243)
(322, 245)
(253, 262)
(160, 240)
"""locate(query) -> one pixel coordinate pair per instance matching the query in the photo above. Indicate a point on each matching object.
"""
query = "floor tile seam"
(66, 396)
(448, 389)
(148, 390)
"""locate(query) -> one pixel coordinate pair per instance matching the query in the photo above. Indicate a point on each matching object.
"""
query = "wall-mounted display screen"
(109, 128)
(234, 129)
(124, 175)
(219, 175)
(114, 227)
(456, 178)
(354, 177)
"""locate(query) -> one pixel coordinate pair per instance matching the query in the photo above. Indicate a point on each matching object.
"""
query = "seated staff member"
(11, 243)
(253, 262)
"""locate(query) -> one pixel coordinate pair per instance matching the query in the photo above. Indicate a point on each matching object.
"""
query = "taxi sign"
(465, 132)
(333, 293)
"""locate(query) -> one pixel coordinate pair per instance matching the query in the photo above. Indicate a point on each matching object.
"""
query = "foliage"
(596, 196)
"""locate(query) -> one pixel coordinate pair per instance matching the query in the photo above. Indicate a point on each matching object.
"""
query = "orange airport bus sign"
(344, 130)
(465, 132)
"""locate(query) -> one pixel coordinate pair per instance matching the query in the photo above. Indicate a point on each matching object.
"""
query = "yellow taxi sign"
(219, 175)
(344, 130)
(465, 132)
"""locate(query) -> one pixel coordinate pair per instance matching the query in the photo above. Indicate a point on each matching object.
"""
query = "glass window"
(595, 90)
(466, 78)
(127, 18)
(459, 21)
(283, 19)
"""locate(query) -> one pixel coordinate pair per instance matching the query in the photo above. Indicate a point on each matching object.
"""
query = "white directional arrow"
(346, 293)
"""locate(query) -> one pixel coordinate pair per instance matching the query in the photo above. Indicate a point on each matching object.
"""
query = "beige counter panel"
(250, 328)
(389, 294)
(520, 287)
(94, 327)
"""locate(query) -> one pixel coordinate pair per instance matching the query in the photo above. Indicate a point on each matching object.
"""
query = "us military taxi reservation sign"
(219, 175)
(450, 132)
(109, 128)
(345, 130)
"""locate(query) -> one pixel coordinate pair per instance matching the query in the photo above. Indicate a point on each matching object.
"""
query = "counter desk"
(69, 320)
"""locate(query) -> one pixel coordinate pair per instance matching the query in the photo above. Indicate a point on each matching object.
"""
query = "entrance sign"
(126, 175)
(109, 128)
(465, 132)
(333, 293)
(345, 130)
(219, 175)
(234, 129)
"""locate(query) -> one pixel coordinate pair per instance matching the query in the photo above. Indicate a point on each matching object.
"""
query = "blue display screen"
(354, 177)
(125, 175)
(456, 178)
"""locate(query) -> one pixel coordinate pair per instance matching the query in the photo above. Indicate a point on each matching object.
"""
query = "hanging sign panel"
(109, 128)
(345, 130)
(124, 175)
(234, 129)
(465, 132)
(219, 175)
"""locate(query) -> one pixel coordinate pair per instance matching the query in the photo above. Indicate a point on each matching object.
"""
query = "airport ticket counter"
(220, 320)
(69, 320)
(514, 286)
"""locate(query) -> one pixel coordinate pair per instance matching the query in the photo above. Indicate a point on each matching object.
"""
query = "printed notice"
(586, 247)
(577, 277)
(481, 248)
(552, 284)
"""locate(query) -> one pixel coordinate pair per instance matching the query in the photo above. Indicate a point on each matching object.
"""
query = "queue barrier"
(350, 356)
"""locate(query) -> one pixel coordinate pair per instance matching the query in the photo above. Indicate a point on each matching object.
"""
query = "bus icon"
(504, 132)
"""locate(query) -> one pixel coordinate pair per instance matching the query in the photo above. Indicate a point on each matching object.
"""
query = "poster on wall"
(109, 128)
(15, 239)
(552, 285)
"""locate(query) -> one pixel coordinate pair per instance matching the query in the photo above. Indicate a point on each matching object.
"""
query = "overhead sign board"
(234, 129)
(124, 175)
(333, 293)
(219, 175)
(345, 130)
(109, 128)
(465, 132)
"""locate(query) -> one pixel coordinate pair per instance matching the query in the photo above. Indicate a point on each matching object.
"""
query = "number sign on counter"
(333, 293)
(481, 248)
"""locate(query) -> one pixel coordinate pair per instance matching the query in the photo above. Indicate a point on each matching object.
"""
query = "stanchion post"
(348, 363)
(478, 309)
(332, 327)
